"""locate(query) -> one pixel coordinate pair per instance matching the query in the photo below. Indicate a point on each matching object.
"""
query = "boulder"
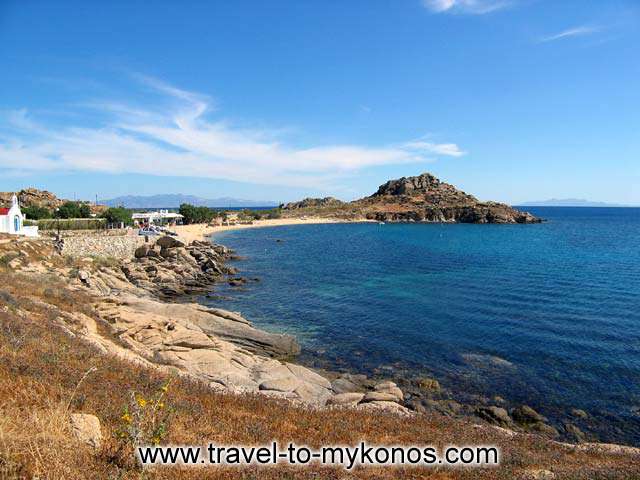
(287, 384)
(345, 399)
(86, 429)
(384, 406)
(308, 376)
(428, 384)
(83, 276)
(390, 388)
(380, 397)
(169, 242)
(526, 415)
(495, 415)
(344, 385)
(142, 251)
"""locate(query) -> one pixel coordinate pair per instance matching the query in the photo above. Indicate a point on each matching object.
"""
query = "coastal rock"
(288, 384)
(86, 429)
(526, 415)
(308, 376)
(345, 399)
(344, 385)
(391, 389)
(380, 397)
(142, 251)
(496, 415)
(384, 406)
(169, 242)
(428, 384)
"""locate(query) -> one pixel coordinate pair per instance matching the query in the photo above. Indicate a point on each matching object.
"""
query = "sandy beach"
(188, 233)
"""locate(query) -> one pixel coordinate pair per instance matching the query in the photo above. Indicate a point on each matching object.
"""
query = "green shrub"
(193, 214)
(117, 215)
(73, 210)
(35, 212)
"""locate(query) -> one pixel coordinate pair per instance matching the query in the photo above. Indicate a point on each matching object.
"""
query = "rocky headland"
(423, 198)
(145, 313)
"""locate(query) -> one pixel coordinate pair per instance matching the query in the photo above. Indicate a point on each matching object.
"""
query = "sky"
(510, 100)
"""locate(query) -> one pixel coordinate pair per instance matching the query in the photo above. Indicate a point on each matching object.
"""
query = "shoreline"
(200, 231)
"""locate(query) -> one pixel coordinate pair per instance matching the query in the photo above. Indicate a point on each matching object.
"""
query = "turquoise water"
(547, 315)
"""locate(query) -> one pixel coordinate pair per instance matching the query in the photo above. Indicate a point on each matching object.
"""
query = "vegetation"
(73, 210)
(260, 214)
(35, 212)
(193, 214)
(70, 224)
(117, 215)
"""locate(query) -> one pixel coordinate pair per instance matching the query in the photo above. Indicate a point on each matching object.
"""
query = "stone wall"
(101, 244)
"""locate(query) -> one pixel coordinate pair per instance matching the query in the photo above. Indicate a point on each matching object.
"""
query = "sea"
(546, 315)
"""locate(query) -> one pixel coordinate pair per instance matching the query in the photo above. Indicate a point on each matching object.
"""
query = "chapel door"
(16, 224)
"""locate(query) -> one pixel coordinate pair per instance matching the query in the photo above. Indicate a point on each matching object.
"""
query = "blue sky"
(510, 100)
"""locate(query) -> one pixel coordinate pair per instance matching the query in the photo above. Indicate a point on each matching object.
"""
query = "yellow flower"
(142, 402)
(165, 388)
(160, 405)
(156, 440)
(126, 417)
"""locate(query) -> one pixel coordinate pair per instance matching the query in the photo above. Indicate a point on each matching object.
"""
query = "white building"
(12, 220)
(160, 217)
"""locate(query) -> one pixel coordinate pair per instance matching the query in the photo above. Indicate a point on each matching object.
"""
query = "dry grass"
(40, 371)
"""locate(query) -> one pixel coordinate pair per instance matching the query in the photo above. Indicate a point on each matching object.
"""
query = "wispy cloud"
(475, 7)
(177, 136)
(572, 32)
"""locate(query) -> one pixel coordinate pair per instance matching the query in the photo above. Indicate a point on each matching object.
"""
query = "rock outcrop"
(427, 199)
(32, 197)
(169, 268)
(136, 299)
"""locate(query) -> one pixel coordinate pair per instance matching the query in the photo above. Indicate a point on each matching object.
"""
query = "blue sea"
(546, 315)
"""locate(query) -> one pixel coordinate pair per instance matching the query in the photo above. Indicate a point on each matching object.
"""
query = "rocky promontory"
(423, 198)
(142, 309)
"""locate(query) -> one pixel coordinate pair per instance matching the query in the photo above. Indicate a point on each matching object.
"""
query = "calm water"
(547, 315)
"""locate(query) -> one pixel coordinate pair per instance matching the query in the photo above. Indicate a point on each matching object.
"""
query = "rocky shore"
(144, 303)
(144, 299)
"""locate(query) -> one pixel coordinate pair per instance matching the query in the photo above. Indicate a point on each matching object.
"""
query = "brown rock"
(86, 428)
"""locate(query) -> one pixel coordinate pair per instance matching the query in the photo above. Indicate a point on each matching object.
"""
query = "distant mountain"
(569, 202)
(174, 200)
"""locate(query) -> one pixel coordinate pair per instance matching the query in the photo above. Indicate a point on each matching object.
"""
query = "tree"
(35, 212)
(73, 210)
(193, 214)
(117, 215)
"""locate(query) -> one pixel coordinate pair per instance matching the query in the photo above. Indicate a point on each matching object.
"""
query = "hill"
(422, 198)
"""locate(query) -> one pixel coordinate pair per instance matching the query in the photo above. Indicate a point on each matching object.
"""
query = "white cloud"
(177, 138)
(476, 7)
(572, 32)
